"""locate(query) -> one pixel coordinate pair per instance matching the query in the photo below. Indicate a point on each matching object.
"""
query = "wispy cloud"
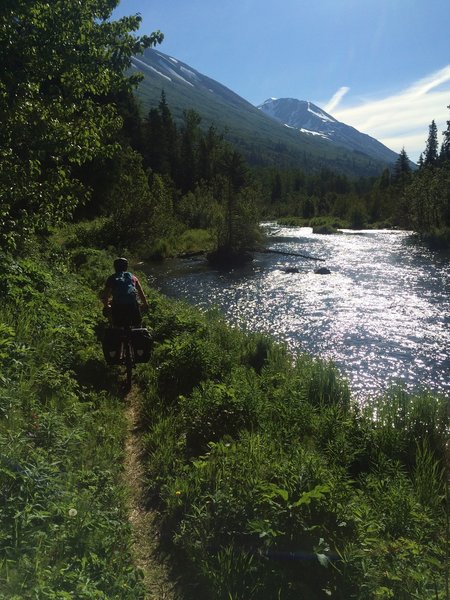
(402, 119)
(335, 100)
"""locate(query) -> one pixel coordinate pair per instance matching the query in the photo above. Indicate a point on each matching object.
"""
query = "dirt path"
(157, 580)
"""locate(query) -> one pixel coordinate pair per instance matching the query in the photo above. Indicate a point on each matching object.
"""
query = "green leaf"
(323, 559)
(318, 493)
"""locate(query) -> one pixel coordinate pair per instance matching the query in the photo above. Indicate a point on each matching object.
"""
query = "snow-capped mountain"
(309, 118)
(172, 71)
(262, 138)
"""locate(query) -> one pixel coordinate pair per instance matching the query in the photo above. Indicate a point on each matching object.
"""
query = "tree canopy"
(61, 63)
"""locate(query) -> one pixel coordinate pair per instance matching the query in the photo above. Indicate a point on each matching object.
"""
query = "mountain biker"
(123, 297)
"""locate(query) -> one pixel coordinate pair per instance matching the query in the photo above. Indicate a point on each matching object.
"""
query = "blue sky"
(382, 66)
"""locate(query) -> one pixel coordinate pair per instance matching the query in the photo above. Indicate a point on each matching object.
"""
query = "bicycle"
(126, 346)
(128, 355)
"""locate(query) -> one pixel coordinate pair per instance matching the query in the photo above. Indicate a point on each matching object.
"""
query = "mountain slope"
(261, 139)
(311, 119)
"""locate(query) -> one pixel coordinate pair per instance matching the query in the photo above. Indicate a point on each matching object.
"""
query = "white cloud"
(402, 119)
(335, 100)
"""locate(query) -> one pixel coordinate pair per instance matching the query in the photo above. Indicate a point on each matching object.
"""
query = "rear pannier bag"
(112, 345)
(142, 344)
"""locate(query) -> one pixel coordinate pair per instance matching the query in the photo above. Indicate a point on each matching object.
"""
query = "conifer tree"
(235, 172)
(169, 155)
(154, 143)
(209, 151)
(401, 167)
(431, 150)
(445, 148)
(188, 155)
(276, 189)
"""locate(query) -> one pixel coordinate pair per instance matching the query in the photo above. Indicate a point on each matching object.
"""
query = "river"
(382, 314)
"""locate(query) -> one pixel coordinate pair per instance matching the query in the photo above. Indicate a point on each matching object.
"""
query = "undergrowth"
(269, 480)
(64, 530)
(273, 483)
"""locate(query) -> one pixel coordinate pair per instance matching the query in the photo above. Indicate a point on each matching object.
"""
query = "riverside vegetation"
(269, 480)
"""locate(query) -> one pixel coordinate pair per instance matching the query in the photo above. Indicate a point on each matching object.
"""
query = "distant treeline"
(204, 183)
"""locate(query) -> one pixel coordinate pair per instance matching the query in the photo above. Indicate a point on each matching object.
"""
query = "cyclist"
(123, 297)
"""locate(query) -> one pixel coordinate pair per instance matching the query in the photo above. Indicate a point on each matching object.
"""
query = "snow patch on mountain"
(178, 76)
(321, 115)
(322, 135)
(141, 64)
(189, 73)
(308, 118)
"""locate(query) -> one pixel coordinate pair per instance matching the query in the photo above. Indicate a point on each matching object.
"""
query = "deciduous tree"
(60, 64)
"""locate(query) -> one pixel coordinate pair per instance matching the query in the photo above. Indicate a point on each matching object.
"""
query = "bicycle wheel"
(129, 363)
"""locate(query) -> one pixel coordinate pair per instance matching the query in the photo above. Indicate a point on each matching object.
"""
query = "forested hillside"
(260, 139)
(73, 143)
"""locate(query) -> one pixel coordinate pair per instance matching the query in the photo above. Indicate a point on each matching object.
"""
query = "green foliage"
(55, 88)
(195, 240)
(272, 483)
(431, 151)
(400, 421)
(198, 208)
(215, 410)
(63, 525)
(429, 199)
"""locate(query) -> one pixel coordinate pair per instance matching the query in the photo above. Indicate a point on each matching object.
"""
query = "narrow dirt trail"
(158, 583)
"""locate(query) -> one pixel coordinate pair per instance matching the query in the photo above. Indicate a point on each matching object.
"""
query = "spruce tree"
(445, 148)
(431, 150)
(402, 168)
(188, 168)
(169, 156)
(154, 142)
(276, 189)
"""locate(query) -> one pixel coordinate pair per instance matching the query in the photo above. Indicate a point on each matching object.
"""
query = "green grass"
(270, 481)
(189, 241)
(64, 531)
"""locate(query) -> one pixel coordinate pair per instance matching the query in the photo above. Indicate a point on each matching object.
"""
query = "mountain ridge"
(263, 140)
(309, 118)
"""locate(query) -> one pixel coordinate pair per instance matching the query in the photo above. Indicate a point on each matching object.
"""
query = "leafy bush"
(216, 410)
(271, 482)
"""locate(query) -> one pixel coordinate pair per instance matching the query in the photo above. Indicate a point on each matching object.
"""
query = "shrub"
(216, 410)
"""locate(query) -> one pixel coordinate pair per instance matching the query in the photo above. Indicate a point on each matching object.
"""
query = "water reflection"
(382, 315)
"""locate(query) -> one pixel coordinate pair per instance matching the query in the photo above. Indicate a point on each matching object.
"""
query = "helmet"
(120, 264)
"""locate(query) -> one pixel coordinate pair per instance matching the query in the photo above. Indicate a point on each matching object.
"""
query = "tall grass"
(273, 483)
(63, 525)
(270, 481)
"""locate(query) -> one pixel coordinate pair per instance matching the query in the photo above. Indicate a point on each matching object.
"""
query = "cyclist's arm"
(106, 295)
(141, 294)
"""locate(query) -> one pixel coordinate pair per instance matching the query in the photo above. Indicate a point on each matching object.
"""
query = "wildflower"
(178, 493)
(73, 512)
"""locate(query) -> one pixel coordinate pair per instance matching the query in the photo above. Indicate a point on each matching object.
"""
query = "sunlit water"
(383, 314)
